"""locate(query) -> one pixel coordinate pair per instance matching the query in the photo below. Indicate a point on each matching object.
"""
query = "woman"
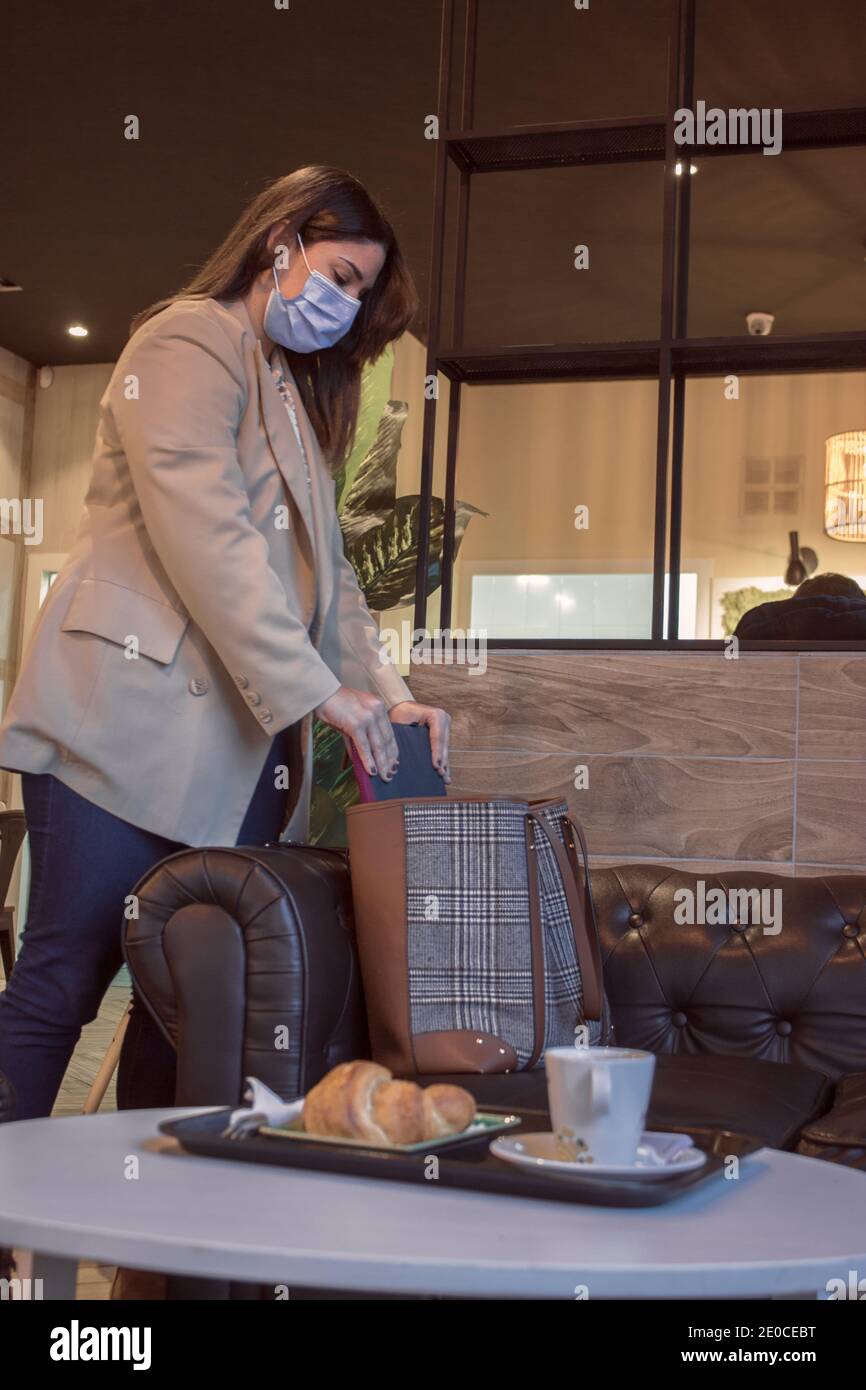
(206, 609)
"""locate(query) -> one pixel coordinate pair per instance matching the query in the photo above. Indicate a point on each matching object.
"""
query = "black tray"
(468, 1165)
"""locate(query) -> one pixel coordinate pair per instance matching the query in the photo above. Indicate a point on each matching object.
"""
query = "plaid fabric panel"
(565, 1009)
(468, 919)
(563, 989)
(470, 963)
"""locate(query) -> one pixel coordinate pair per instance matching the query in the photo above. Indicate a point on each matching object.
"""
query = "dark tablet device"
(416, 775)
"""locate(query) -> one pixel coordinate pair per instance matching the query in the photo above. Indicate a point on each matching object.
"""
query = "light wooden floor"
(94, 1281)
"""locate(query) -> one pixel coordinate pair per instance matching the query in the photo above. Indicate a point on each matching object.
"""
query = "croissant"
(361, 1100)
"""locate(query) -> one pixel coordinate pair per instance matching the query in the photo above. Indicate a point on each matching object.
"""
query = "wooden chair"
(107, 1068)
(13, 828)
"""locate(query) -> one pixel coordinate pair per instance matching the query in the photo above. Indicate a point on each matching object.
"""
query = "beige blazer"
(188, 626)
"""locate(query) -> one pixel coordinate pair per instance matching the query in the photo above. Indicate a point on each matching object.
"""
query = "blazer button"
(265, 716)
(198, 686)
(253, 697)
(242, 682)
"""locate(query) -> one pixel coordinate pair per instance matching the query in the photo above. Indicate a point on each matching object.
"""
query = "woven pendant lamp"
(845, 486)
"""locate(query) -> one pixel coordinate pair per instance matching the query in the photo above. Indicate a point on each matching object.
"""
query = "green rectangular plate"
(485, 1124)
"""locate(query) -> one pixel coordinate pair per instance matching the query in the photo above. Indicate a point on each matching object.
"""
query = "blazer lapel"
(317, 515)
(281, 437)
(287, 455)
(321, 485)
(276, 423)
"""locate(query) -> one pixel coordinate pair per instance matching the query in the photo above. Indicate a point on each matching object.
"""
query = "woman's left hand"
(439, 724)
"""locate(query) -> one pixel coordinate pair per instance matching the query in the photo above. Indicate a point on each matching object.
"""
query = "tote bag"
(476, 933)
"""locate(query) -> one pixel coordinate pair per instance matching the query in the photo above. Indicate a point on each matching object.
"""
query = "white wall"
(63, 438)
(15, 376)
(16, 412)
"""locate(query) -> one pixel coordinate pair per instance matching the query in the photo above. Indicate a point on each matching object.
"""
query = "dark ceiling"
(232, 93)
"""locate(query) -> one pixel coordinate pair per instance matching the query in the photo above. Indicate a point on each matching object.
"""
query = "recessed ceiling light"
(77, 330)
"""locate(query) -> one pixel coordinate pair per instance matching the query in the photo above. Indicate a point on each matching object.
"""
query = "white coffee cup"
(598, 1100)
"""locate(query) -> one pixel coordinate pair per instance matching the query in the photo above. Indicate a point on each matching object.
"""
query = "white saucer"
(659, 1156)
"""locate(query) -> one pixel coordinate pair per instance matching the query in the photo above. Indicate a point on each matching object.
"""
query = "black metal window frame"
(670, 359)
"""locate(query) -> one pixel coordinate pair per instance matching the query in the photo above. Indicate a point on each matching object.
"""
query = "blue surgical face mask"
(316, 318)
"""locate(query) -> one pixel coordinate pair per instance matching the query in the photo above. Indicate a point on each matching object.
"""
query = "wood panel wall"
(691, 759)
(17, 415)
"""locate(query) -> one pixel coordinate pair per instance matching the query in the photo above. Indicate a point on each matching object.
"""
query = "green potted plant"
(380, 531)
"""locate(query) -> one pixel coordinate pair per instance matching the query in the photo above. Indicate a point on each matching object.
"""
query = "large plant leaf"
(373, 494)
(327, 818)
(328, 749)
(334, 786)
(375, 391)
(385, 556)
(380, 532)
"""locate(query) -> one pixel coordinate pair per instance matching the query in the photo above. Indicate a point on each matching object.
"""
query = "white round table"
(785, 1226)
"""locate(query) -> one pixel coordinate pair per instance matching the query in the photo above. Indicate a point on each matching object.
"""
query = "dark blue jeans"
(84, 862)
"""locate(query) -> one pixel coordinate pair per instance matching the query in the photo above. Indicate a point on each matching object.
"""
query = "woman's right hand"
(363, 718)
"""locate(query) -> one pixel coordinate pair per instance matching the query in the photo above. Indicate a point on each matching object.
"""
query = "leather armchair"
(226, 956)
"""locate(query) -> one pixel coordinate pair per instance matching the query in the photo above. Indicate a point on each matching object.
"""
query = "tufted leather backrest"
(721, 986)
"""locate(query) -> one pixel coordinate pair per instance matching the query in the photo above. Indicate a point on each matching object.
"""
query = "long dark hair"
(323, 204)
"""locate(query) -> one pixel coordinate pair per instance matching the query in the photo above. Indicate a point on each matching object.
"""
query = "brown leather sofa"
(757, 1032)
(796, 997)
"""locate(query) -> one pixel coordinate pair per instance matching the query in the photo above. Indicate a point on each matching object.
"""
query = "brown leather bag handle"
(536, 939)
(574, 836)
(585, 940)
